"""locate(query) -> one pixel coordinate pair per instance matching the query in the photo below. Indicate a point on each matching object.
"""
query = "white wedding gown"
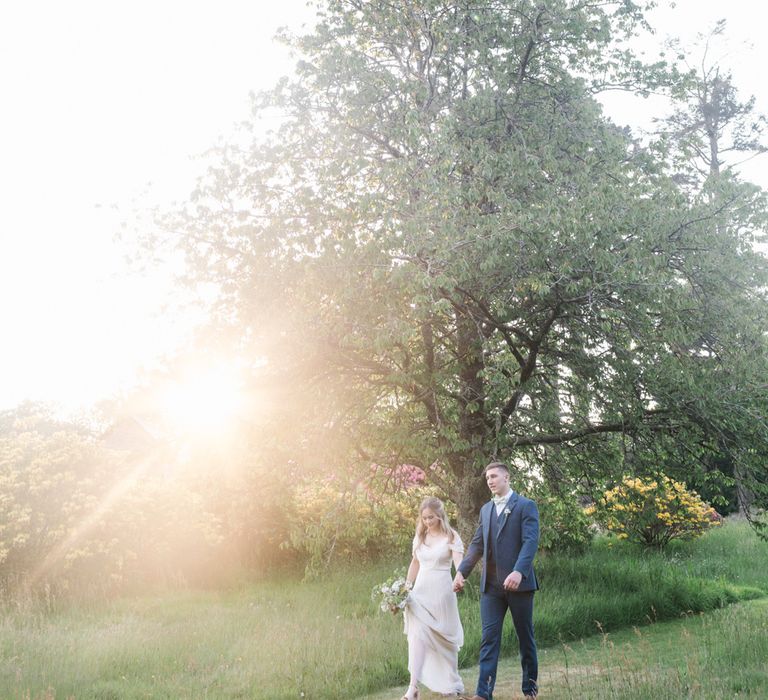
(432, 622)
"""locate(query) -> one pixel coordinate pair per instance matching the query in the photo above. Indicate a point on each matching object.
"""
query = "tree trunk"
(470, 459)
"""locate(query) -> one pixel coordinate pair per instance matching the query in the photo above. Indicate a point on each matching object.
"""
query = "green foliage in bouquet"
(392, 595)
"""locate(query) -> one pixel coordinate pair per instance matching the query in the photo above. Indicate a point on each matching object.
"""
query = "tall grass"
(611, 587)
(713, 656)
(616, 584)
(705, 656)
(270, 640)
(325, 639)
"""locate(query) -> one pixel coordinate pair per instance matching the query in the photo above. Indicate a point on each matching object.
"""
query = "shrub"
(564, 526)
(653, 511)
(358, 524)
(75, 515)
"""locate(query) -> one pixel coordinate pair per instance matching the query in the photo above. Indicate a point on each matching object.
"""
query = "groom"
(506, 539)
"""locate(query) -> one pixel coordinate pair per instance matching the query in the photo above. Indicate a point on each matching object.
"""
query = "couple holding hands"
(506, 540)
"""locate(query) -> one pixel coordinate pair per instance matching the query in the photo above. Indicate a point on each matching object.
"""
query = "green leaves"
(452, 256)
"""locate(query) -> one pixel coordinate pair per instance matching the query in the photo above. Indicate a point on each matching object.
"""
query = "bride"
(432, 622)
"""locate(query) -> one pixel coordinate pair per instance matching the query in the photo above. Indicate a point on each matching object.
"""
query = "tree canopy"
(445, 254)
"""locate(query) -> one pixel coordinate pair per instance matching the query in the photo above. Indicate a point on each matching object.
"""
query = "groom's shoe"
(474, 697)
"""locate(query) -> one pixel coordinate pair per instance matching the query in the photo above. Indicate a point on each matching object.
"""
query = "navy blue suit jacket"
(517, 540)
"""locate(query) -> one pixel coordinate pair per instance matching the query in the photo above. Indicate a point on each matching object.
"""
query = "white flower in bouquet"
(392, 595)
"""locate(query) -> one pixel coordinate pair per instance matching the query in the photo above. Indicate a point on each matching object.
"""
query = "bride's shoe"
(411, 694)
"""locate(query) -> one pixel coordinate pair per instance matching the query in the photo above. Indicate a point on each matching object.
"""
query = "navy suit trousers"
(494, 604)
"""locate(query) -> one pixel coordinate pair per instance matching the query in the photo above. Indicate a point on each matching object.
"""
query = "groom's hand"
(458, 582)
(512, 582)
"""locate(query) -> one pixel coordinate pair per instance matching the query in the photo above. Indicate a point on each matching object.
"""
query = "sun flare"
(208, 402)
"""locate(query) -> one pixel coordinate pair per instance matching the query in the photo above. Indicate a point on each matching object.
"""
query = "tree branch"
(560, 438)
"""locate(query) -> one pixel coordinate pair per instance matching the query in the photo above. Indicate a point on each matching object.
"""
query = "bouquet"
(392, 595)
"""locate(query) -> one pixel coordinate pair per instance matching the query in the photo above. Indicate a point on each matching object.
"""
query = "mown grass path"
(713, 655)
(722, 654)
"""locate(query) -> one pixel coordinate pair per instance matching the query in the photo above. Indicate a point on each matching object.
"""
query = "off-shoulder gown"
(432, 622)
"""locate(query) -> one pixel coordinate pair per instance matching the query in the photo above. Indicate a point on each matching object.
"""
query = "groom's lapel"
(486, 517)
(511, 503)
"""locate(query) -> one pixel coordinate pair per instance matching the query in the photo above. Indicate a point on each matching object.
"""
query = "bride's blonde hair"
(437, 507)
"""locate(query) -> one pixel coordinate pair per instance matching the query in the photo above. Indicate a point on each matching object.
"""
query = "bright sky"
(99, 100)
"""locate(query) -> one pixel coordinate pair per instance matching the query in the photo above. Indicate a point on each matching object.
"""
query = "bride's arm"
(413, 571)
(457, 558)
(457, 550)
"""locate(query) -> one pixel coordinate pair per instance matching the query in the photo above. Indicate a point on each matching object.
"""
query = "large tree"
(445, 253)
(710, 132)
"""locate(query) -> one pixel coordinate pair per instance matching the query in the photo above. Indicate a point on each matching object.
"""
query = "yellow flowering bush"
(653, 511)
(77, 516)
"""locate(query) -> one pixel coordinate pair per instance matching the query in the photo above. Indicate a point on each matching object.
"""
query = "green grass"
(268, 640)
(615, 585)
(719, 654)
(326, 639)
(710, 656)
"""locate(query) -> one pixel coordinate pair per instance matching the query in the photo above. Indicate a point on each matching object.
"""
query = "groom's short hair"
(496, 465)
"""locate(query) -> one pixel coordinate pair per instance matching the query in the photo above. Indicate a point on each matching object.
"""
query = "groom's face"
(498, 481)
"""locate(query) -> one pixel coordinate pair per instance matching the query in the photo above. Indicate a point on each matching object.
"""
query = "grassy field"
(710, 656)
(325, 639)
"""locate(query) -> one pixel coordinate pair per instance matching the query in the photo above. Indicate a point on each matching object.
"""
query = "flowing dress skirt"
(434, 630)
